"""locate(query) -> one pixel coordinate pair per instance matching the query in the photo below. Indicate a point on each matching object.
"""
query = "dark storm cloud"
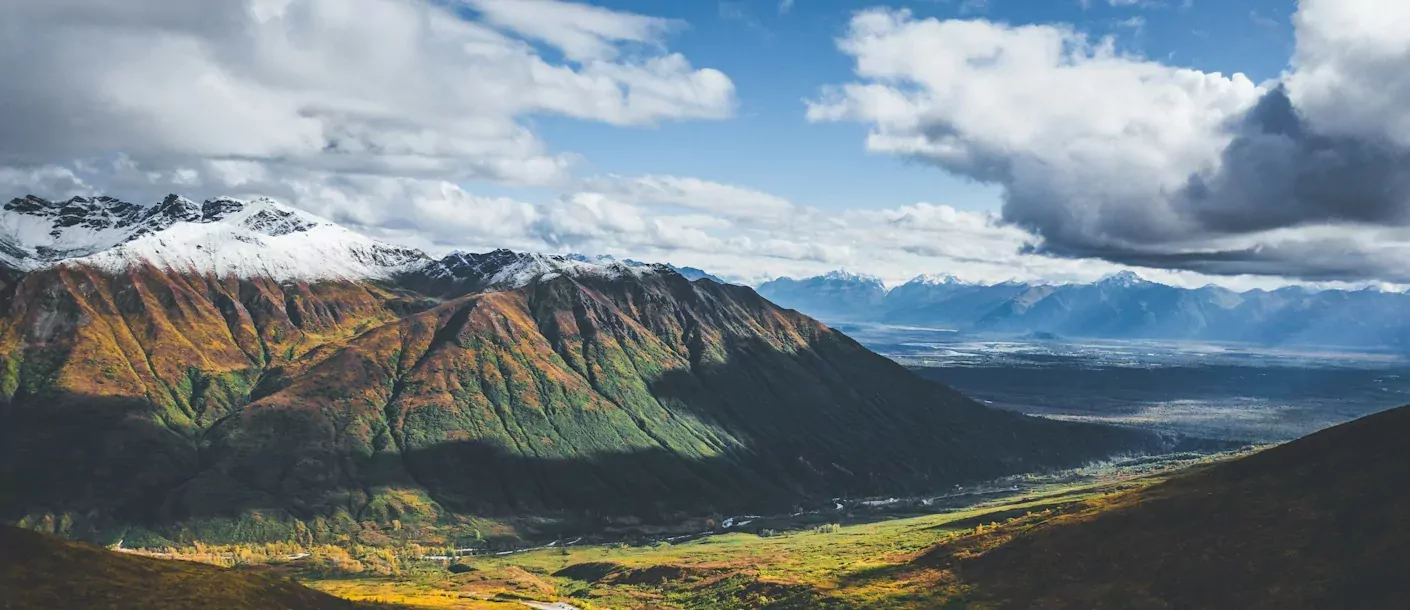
(1278, 172)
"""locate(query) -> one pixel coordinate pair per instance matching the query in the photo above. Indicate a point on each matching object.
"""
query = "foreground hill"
(247, 371)
(1321, 522)
(40, 571)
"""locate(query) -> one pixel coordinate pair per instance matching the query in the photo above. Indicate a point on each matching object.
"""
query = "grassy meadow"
(880, 554)
(862, 560)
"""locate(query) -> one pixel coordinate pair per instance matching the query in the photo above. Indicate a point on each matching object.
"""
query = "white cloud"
(973, 6)
(723, 199)
(1137, 24)
(395, 87)
(57, 181)
(983, 99)
(1261, 20)
(729, 229)
(1112, 155)
(1349, 74)
(583, 32)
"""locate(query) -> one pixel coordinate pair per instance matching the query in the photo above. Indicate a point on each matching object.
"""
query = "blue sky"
(1238, 142)
(777, 60)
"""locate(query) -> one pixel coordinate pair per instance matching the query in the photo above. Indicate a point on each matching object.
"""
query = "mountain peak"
(179, 209)
(1125, 279)
(937, 279)
(842, 275)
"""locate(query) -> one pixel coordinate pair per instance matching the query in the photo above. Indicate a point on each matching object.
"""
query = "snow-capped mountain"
(35, 231)
(256, 238)
(1124, 279)
(842, 275)
(221, 236)
(1122, 305)
(937, 279)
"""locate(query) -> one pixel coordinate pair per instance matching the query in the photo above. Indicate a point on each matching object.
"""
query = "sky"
(1241, 142)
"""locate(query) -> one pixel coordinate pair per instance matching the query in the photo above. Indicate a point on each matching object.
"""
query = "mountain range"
(1120, 306)
(242, 370)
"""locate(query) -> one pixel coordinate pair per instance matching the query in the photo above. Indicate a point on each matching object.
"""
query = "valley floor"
(867, 556)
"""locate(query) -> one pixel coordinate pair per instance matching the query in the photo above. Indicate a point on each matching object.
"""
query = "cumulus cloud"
(724, 199)
(729, 229)
(392, 87)
(56, 181)
(1115, 156)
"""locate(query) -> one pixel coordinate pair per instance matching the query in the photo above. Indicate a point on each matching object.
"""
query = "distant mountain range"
(1121, 306)
(241, 370)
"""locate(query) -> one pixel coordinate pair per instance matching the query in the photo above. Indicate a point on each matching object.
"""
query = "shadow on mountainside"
(89, 454)
(811, 424)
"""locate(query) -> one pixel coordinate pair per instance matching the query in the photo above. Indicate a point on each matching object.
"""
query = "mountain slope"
(241, 400)
(1323, 521)
(39, 571)
(673, 395)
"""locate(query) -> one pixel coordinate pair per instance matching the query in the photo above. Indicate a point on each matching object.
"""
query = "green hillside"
(248, 410)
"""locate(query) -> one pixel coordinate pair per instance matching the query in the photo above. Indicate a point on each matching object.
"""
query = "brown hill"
(41, 571)
(1321, 522)
(176, 399)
